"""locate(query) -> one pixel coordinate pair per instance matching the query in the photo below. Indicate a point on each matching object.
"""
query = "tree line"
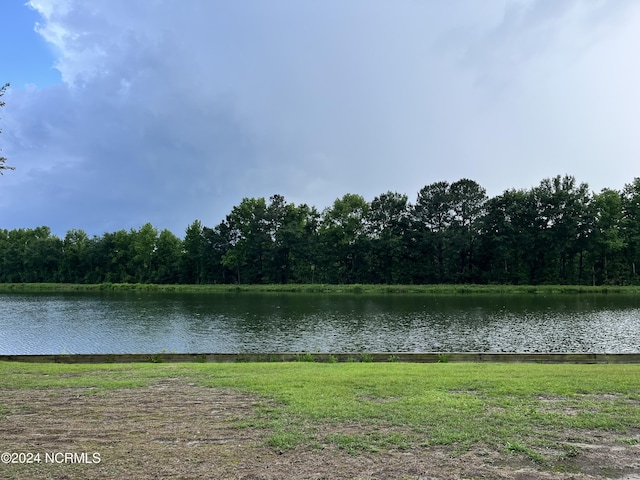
(558, 232)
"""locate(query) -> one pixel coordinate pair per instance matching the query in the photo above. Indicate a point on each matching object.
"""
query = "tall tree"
(145, 247)
(192, 245)
(631, 228)
(564, 221)
(507, 237)
(216, 243)
(3, 165)
(467, 202)
(608, 261)
(42, 256)
(122, 253)
(251, 241)
(343, 237)
(75, 266)
(432, 215)
(167, 258)
(387, 225)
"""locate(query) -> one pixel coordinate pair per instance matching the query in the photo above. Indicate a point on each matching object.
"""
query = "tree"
(74, 262)
(251, 240)
(631, 227)
(144, 253)
(387, 224)
(216, 243)
(167, 255)
(342, 235)
(122, 255)
(3, 165)
(432, 216)
(564, 221)
(288, 228)
(467, 201)
(608, 240)
(507, 237)
(191, 264)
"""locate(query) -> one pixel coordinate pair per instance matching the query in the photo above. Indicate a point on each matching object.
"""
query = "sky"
(123, 112)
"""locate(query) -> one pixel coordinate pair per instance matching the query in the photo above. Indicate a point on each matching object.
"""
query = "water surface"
(143, 322)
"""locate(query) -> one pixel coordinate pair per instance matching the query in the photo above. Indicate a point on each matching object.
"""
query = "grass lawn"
(358, 408)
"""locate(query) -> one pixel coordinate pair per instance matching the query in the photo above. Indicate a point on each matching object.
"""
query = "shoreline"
(357, 289)
(308, 357)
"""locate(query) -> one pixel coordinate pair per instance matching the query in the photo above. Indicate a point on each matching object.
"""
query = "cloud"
(170, 111)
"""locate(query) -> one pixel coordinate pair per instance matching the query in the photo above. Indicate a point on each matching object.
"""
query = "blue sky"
(26, 56)
(123, 112)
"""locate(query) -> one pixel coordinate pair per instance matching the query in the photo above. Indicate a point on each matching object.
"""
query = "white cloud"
(173, 111)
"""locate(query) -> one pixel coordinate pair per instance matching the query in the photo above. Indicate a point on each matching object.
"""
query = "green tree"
(507, 237)
(608, 263)
(216, 243)
(75, 266)
(301, 233)
(387, 225)
(292, 231)
(432, 216)
(343, 237)
(191, 264)
(122, 254)
(564, 222)
(468, 199)
(145, 263)
(41, 256)
(14, 254)
(3, 160)
(251, 241)
(167, 258)
(631, 228)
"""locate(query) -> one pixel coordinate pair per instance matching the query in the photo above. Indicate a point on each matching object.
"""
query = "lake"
(144, 322)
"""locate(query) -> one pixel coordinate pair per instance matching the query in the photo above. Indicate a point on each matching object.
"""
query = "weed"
(517, 447)
(570, 451)
(366, 358)
(305, 357)
(443, 358)
(201, 358)
(352, 444)
(286, 440)
(630, 441)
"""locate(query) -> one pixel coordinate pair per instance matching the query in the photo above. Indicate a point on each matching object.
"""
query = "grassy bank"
(535, 410)
(326, 289)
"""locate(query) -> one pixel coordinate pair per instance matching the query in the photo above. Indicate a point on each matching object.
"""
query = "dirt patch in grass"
(174, 429)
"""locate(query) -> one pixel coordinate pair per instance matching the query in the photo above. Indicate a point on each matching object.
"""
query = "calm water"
(188, 323)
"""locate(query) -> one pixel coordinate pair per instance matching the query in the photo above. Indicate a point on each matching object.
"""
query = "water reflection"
(143, 322)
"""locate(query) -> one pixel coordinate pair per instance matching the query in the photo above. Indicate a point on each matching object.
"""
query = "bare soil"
(177, 430)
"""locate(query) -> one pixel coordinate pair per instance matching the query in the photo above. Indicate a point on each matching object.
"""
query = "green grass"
(97, 377)
(366, 407)
(324, 288)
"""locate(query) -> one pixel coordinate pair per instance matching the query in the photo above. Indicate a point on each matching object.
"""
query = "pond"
(142, 322)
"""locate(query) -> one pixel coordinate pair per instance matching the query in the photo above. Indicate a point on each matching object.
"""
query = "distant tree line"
(556, 233)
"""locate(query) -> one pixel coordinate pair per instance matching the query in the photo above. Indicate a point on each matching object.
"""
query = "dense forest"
(558, 232)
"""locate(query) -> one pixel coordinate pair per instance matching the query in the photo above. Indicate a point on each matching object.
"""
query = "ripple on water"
(52, 324)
